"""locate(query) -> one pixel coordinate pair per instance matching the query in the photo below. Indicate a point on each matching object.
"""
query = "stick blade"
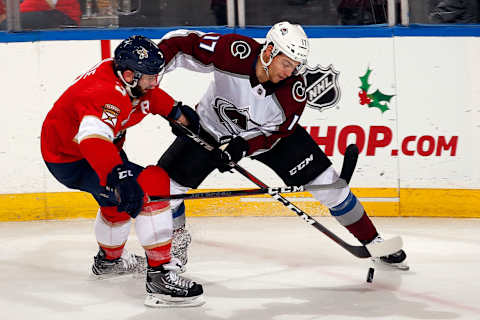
(386, 247)
(349, 162)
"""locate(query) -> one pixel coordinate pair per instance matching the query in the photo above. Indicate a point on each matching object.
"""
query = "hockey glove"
(127, 190)
(236, 149)
(190, 114)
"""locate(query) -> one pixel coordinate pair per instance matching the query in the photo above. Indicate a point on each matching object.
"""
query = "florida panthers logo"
(233, 118)
(110, 114)
(142, 53)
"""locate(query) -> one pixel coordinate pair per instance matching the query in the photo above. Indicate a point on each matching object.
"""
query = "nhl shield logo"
(323, 91)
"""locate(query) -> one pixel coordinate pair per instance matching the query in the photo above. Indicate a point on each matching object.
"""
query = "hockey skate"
(181, 239)
(127, 264)
(167, 289)
(395, 260)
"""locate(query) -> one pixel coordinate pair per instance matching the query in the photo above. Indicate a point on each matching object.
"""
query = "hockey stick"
(351, 154)
(340, 183)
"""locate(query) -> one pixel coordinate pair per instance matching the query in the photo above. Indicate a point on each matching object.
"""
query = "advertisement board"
(411, 104)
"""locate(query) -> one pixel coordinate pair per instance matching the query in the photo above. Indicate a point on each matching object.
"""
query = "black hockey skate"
(165, 288)
(395, 260)
(127, 264)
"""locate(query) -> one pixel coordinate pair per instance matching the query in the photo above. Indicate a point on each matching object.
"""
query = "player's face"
(281, 68)
(147, 82)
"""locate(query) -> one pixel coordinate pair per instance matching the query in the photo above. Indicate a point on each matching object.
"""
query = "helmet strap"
(267, 64)
(129, 86)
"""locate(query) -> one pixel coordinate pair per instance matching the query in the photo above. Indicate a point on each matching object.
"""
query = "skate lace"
(178, 281)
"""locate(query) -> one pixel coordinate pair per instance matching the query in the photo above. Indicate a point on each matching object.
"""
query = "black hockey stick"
(340, 183)
(349, 162)
(351, 155)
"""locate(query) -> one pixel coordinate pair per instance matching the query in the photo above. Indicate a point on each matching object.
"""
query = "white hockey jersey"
(236, 104)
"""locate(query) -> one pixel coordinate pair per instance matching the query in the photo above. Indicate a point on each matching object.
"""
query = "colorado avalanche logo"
(233, 118)
(298, 91)
(323, 91)
(240, 49)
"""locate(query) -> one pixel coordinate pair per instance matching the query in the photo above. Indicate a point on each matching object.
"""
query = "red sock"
(158, 255)
(363, 229)
(113, 253)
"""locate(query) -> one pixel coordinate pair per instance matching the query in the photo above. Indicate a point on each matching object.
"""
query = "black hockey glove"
(125, 186)
(190, 114)
(236, 149)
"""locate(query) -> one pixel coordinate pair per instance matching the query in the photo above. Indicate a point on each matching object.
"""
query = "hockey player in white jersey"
(253, 105)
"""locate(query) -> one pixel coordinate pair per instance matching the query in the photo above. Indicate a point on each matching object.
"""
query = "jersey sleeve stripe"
(93, 126)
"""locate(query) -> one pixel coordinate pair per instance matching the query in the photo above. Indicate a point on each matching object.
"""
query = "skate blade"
(110, 276)
(399, 266)
(100, 277)
(165, 301)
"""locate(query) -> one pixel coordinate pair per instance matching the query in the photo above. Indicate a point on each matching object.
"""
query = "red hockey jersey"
(95, 105)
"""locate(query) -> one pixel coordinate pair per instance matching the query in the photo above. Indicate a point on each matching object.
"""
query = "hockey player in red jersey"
(81, 143)
(252, 108)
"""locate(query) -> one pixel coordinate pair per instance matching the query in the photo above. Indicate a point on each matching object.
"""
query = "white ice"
(251, 268)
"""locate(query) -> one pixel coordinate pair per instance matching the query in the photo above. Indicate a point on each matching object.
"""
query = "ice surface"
(252, 268)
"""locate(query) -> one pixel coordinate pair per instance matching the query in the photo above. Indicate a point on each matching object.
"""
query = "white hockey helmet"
(289, 39)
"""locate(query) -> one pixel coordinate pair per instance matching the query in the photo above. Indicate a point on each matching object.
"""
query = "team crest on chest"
(110, 114)
(233, 118)
(240, 49)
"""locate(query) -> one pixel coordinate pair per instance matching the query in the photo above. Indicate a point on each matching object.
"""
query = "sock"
(158, 255)
(363, 229)
(113, 253)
